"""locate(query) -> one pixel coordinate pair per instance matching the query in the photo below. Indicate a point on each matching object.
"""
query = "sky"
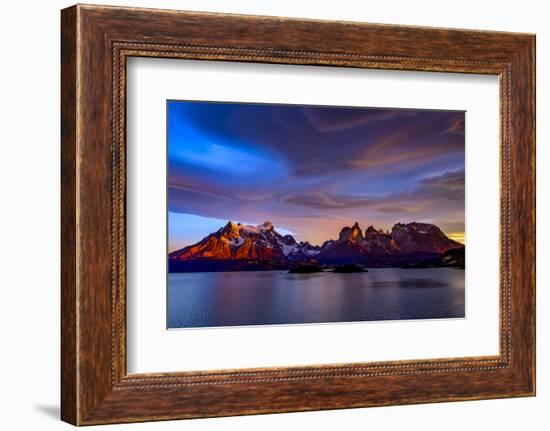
(311, 170)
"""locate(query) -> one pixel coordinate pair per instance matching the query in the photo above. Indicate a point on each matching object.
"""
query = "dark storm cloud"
(329, 119)
(429, 192)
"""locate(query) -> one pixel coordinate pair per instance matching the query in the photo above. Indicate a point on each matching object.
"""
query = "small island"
(305, 269)
(309, 268)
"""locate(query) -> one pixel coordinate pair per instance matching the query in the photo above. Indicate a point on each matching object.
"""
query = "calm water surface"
(276, 297)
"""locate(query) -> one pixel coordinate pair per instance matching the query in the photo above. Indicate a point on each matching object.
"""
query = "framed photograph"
(309, 170)
(266, 215)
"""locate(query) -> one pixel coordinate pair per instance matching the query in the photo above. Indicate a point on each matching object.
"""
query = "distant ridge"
(239, 247)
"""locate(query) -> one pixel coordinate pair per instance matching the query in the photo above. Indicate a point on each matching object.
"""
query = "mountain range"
(239, 247)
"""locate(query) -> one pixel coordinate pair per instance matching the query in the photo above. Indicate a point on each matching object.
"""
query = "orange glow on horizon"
(457, 236)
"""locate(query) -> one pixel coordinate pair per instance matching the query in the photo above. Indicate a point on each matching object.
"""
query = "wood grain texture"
(96, 41)
(69, 366)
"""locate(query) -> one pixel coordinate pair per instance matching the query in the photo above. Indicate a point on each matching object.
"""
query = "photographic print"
(294, 214)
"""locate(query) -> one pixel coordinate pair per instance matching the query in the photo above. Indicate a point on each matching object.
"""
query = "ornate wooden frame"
(96, 41)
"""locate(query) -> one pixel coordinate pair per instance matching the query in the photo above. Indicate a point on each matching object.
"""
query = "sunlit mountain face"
(242, 247)
(311, 170)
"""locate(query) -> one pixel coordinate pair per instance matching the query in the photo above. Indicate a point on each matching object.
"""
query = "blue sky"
(311, 170)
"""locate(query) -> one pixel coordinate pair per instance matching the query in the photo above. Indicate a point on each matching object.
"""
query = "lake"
(211, 299)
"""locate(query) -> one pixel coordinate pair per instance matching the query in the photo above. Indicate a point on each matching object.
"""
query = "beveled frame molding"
(96, 41)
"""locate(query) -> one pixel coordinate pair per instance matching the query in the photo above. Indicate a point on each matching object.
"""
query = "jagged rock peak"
(235, 228)
(353, 232)
(370, 229)
(415, 226)
(267, 225)
(231, 226)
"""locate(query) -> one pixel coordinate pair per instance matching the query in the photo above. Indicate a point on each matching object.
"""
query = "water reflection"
(276, 297)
